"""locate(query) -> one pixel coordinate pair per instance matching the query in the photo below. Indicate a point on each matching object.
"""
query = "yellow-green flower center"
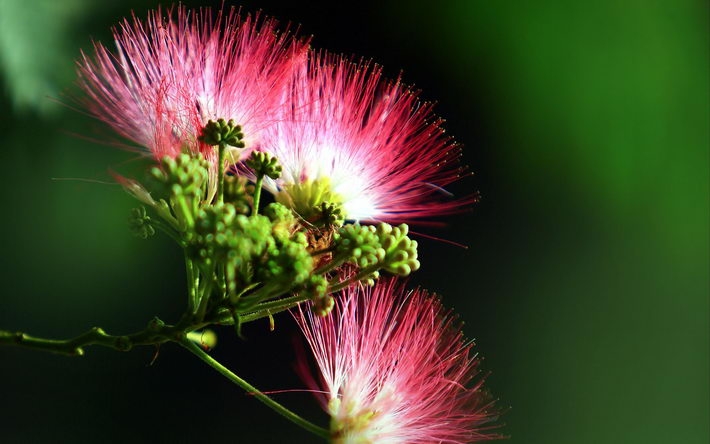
(348, 426)
(306, 198)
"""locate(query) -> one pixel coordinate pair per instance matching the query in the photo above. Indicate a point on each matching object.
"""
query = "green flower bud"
(370, 279)
(287, 261)
(323, 305)
(283, 220)
(215, 219)
(328, 214)
(138, 191)
(360, 243)
(278, 213)
(315, 287)
(139, 223)
(401, 251)
(183, 175)
(222, 132)
(211, 236)
(264, 164)
(206, 339)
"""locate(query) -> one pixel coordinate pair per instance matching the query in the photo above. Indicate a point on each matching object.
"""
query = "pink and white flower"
(170, 75)
(366, 143)
(394, 368)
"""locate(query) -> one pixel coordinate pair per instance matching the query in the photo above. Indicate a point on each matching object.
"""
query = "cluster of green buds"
(371, 249)
(245, 262)
(222, 132)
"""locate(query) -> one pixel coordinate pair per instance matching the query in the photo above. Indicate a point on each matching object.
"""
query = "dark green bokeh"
(586, 281)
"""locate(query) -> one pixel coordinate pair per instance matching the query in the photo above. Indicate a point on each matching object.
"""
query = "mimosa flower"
(370, 145)
(170, 76)
(395, 368)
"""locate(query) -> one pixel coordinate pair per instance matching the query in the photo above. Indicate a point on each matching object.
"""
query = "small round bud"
(328, 214)
(183, 175)
(401, 252)
(287, 261)
(206, 339)
(264, 164)
(360, 243)
(278, 213)
(139, 223)
(222, 132)
(315, 287)
(322, 306)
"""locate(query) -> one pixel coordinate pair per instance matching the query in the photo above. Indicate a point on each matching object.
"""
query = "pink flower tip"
(394, 368)
(168, 76)
(364, 142)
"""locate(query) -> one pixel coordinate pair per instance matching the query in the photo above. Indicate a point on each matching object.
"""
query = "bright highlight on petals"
(382, 150)
(396, 369)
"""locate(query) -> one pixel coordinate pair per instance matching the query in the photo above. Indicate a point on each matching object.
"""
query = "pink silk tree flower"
(394, 368)
(170, 76)
(368, 144)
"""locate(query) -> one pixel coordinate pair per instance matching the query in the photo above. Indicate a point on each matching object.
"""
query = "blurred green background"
(585, 284)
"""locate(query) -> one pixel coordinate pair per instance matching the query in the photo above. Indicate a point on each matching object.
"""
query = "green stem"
(220, 172)
(276, 306)
(167, 229)
(183, 212)
(257, 192)
(204, 290)
(193, 283)
(322, 251)
(257, 315)
(269, 291)
(222, 280)
(278, 408)
(163, 210)
(155, 333)
(205, 294)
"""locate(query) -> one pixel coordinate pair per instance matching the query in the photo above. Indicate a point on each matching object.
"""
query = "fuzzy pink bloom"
(169, 76)
(394, 368)
(381, 150)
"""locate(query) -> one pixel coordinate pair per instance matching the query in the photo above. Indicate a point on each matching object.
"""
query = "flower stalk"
(265, 399)
(155, 333)
(220, 169)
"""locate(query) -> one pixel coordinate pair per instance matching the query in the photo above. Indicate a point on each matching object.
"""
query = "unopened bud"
(139, 223)
(322, 306)
(206, 339)
(222, 132)
(264, 164)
